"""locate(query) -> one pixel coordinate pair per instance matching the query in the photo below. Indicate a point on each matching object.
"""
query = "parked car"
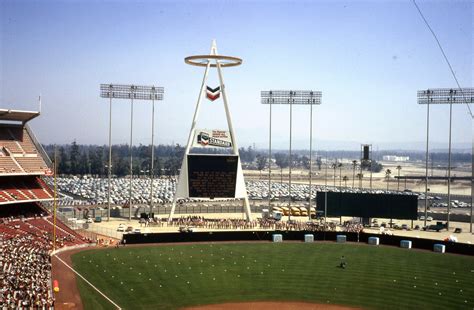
(429, 218)
(186, 229)
(439, 226)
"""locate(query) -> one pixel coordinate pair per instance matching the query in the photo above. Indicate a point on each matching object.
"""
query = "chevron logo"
(213, 93)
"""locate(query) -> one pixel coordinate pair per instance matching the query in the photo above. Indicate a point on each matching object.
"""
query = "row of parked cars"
(95, 190)
(128, 229)
(454, 204)
(295, 211)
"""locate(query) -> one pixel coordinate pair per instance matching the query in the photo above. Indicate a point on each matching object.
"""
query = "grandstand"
(22, 160)
(26, 228)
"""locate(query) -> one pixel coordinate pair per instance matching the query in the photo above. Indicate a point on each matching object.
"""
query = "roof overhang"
(17, 115)
(24, 201)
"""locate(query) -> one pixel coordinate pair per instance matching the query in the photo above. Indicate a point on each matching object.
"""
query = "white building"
(395, 158)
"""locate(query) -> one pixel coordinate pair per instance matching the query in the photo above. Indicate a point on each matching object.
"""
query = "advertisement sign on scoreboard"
(212, 176)
(211, 138)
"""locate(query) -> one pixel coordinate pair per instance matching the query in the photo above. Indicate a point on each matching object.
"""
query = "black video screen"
(390, 206)
(212, 176)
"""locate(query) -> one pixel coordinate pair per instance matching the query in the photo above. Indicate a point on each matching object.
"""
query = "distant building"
(395, 158)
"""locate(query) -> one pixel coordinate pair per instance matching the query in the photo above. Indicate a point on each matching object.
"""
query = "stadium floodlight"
(444, 96)
(308, 97)
(132, 92)
(139, 92)
(291, 97)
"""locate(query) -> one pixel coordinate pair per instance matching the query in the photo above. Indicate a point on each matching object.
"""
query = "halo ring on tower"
(203, 60)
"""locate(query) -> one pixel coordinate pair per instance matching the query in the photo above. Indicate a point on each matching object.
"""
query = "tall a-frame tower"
(206, 176)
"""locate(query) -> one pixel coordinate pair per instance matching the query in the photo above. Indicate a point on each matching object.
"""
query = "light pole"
(270, 158)
(427, 153)
(132, 92)
(444, 96)
(290, 159)
(472, 169)
(131, 159)
(326, 174)
(291, 97)
(110, 155)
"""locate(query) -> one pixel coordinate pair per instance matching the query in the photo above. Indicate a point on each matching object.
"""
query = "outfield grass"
(173, 276)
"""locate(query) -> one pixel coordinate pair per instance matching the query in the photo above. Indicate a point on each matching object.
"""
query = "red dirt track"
(270, 306)
(68, 296)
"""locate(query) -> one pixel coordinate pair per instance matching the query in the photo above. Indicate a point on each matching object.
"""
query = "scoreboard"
(212, 176)
(395, 206)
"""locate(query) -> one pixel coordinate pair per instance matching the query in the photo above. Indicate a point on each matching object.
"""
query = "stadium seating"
(8, 165)
(31, 164)
(26, 229)
(25, 246)
(27, 144)
(11, 137)
(23, 189)
(18, 152)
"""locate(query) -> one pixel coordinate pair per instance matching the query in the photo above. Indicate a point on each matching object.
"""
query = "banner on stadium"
(211, 138)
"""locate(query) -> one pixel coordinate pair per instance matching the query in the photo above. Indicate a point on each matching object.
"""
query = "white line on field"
(95, 288)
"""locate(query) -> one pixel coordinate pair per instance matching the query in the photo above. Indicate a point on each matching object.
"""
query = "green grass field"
(173, 276)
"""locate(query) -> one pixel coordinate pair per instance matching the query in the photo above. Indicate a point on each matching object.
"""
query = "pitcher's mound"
(270, 306)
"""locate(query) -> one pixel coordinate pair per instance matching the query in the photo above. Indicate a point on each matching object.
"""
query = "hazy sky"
(367, 57)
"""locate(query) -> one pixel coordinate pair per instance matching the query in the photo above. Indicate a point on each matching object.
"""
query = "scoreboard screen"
(212, 176)
(368, 205)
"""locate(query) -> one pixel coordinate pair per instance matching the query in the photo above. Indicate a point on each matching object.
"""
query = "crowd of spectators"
(264, 224)
(352, 227)
(26, 243)
(26, 273)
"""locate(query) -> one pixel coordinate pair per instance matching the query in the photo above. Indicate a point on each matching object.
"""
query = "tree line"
(80, 159)
(76, 159)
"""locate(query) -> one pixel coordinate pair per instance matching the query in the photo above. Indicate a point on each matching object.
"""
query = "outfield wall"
(417, 243)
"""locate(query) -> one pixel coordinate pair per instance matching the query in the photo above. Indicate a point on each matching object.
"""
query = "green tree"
(63, 162)
(120, 166)
(388, 172)
(282, 161)
(399, 168)
(354, 165)
(319, 162)
(96, 158)
(261, 163)
(305, 162)
(345, 178)
(83, 166)
(74, 158)
(374, 165)
(339, 165)
(334, 167)
(360, 176)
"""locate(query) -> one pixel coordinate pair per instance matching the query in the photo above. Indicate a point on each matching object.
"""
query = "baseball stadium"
(213, 230)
